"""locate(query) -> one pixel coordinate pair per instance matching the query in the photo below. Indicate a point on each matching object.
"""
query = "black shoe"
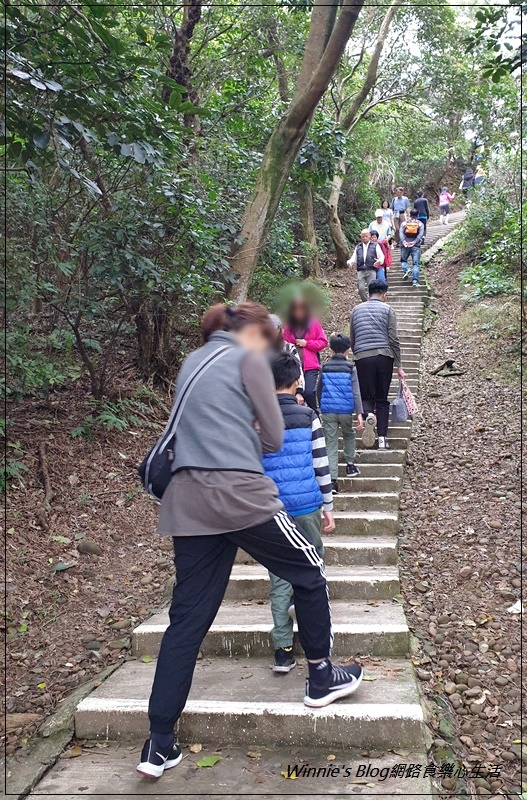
(284, 660)
(334, 487)
(341, 681)
(155, 760)
(352, 471)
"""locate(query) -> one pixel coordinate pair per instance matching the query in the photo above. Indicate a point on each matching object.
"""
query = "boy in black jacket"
(339, 396)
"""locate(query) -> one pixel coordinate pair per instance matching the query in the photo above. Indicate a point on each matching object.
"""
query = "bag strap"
(181, 399)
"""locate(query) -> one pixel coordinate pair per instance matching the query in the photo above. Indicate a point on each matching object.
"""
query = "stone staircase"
(236, 700)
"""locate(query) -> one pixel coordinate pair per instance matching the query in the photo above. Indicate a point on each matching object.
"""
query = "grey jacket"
(373, 330)
(217, 428)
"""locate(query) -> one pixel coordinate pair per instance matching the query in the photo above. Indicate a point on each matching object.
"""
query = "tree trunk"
(342, 249)
(286, 140)
(178, 67)
(156, 356)
(310, 264)
(340, 243)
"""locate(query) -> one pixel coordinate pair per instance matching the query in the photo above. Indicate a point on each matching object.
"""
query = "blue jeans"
(415, 252)
(381, 273)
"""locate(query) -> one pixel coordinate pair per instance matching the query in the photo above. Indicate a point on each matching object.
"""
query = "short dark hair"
(374, 233)
(420, 193)
(286, 370)
(377, 287)
(339, 343)
(413, 212)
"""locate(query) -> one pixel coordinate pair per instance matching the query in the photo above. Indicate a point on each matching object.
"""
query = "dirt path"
(461, 549)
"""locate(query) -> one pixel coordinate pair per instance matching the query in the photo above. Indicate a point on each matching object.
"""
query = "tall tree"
(327, 38)
(355, 113)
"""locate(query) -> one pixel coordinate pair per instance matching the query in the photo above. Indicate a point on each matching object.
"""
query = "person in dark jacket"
(219, 499)
(412, 236)
(339, 399)
(423, 209)
(367, 257)
(300, 470)
(376, 348)
(467, 183)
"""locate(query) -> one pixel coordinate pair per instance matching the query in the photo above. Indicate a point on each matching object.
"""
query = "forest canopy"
(159, 158)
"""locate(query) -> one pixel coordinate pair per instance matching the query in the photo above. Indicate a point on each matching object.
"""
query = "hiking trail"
(253, 719)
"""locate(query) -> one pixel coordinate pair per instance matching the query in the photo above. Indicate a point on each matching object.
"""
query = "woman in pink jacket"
(309, 339)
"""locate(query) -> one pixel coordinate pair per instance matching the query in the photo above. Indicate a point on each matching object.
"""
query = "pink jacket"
(316, 341)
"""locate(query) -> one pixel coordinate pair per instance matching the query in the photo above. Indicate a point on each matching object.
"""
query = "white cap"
(379, 212)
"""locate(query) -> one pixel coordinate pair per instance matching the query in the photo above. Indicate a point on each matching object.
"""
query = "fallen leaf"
(147, 660)
(331, 758)
(62, 539)
(196, 748)
(289, 777)
(247, 675)
(369, 677)
(253, 754)
(41, 686)
(60, 566)
(73, 752)
(208, 761)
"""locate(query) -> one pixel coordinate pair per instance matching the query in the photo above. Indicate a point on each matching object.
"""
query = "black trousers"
(310, 390)
(375, 376)
(203, 566)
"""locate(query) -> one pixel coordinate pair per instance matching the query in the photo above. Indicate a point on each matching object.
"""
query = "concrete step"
(241, 702)
(399, 429)
(374, 469)
(363, 483)
(392, 456)
(395, 443)
(245, 631)
(361, 550)
(235, 775)
(366, 523)
(366, 501)
(373, 456)
(251, 582)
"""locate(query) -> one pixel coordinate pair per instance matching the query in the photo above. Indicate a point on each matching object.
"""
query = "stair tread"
(231, 685)
(334, 572)
(371, 515)
(232, 775)
(347, 615)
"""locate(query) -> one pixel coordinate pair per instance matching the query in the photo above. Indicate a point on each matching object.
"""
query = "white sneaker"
(382, 444)
(368, 434)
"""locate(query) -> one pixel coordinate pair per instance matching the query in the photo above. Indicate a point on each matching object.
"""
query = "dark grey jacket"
(373, 327)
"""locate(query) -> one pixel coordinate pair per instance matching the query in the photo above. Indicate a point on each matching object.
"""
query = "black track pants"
(203, 566)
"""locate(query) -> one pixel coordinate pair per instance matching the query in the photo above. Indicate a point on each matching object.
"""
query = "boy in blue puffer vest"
(300, 470)
(339, 396)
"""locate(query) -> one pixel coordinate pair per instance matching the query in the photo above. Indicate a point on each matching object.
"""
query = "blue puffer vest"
(336, 396)
(292, 467)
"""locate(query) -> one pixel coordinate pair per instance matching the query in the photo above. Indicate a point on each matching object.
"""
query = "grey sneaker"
(368, 434)
(382, 444)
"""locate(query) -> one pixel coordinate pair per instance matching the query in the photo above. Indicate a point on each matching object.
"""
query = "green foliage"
(31, 366)
(12, 467)
(491, 238)
(487, 278)
(120, 415)
(498, 32)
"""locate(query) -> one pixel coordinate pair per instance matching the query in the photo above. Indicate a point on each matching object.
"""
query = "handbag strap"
(182, 397)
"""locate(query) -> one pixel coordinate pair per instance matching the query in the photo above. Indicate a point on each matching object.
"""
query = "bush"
(491, 238)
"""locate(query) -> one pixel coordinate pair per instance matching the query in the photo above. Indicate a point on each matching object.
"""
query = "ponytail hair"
(221, 317)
